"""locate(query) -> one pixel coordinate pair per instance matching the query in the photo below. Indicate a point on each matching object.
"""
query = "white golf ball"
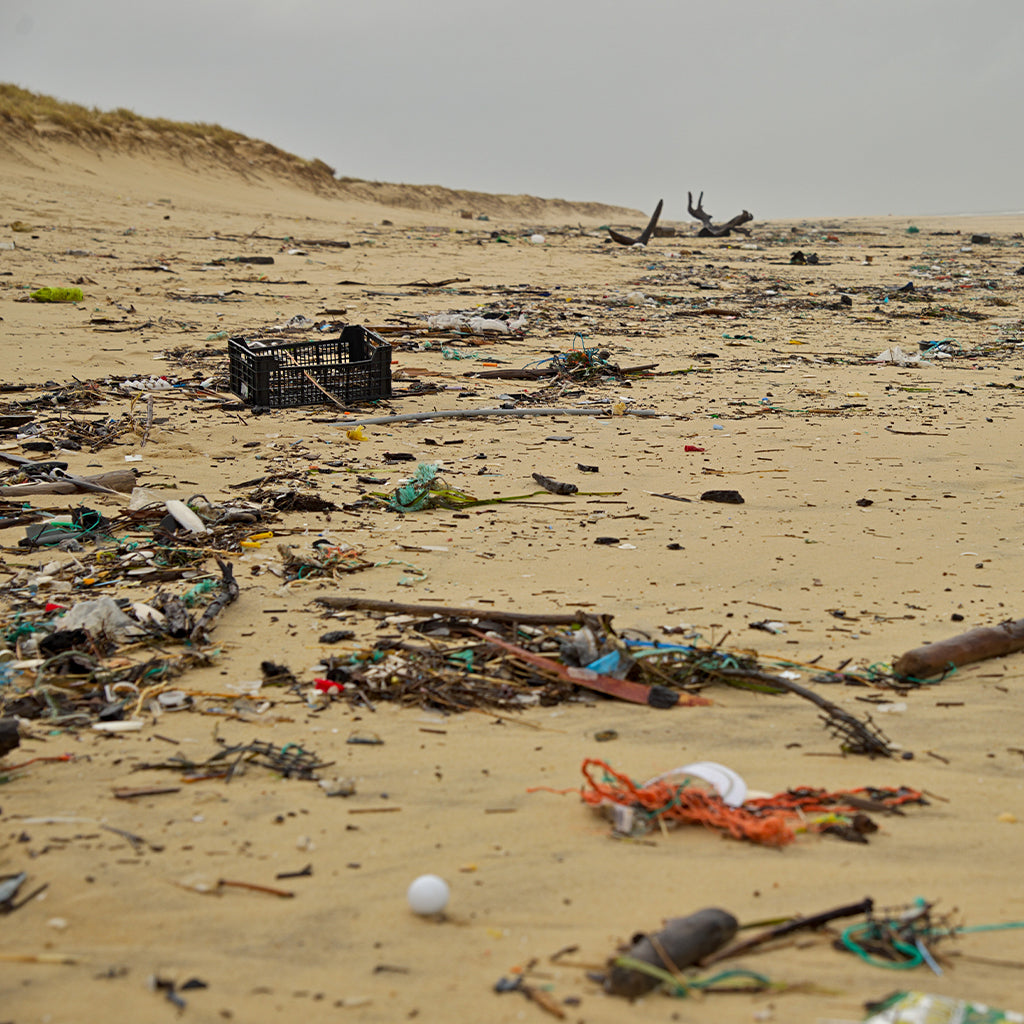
(428, 894)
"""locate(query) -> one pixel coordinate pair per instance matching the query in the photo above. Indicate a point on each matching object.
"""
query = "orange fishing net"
(767, 820)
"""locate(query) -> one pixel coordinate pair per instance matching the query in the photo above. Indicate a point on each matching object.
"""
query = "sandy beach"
(881, 509)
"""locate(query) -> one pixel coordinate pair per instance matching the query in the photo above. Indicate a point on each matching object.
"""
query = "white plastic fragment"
(185, 517)
(446, 322)
(147, 384)
(482, 325)
(127, 725)
(892, 708)
(141, 497)
(173, 700)
(731, 786)
(245, 687)
(898, 357)
(145, 613)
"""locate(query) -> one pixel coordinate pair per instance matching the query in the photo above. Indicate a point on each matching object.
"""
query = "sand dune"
(36, 127)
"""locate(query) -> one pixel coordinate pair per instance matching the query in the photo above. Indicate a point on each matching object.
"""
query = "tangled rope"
(766, 820)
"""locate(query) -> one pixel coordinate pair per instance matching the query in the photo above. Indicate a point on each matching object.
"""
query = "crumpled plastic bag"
(102, 617)
(898, 357)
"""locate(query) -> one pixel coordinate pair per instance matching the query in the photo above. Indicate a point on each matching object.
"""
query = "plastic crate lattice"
(354, 366)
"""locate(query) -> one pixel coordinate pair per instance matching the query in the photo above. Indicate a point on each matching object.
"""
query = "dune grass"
(35, 117)
(20, 108)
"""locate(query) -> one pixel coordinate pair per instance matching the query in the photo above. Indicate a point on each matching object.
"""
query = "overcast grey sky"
(789, 108)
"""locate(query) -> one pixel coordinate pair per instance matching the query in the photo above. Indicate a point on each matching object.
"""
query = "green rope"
(653, 971)
(194, 593)
(966, 929)
(680, 987)
(869, 930)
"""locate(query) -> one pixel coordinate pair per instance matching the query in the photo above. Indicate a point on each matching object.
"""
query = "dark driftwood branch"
(710, 230)
(862, 738)
(228, 593)
(974, 645)
(796, 924)
(645, 236)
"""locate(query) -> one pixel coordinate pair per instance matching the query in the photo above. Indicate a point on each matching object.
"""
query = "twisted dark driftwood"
(860, 737)
(228, 592)
(710, 230)
(645, 236)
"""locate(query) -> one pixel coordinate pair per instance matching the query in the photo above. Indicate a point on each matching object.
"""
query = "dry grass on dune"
(32, 118)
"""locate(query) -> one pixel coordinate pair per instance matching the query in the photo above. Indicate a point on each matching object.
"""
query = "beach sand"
(788, 409)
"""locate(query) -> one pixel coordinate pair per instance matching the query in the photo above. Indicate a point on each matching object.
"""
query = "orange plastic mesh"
(767, 820)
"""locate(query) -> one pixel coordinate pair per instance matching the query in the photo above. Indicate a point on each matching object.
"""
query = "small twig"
(149, 421)
(37, 958)
(129, 794)
(990, 961)
(543, 999)
(286, 355)
(137, 842)
(270, 890)
(305, 872)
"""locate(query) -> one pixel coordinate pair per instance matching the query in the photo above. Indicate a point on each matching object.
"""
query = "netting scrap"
(770, 821)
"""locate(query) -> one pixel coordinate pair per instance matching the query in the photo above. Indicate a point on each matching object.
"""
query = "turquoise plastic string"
(916, 954)
(865, 930)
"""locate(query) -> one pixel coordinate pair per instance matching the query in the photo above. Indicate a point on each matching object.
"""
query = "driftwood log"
(118, 481)
(371, 604)
(974, 645)
(645, 235)
(710, 230)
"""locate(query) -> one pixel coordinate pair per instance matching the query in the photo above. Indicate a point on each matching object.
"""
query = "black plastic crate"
(354, 365)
